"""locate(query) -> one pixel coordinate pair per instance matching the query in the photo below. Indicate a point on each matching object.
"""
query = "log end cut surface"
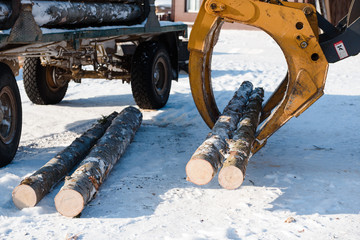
(69, 202)
(24, 196)
(199, 171)
(230, 177)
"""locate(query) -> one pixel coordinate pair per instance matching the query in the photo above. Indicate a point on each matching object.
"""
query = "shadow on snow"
(312, 160)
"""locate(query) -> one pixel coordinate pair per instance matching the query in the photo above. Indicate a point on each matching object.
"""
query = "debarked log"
(83, 184)
(232, 174)
(33, 188)
(208, 157)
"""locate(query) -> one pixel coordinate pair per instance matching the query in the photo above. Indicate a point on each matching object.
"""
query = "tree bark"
(233, 171)
(207, 159)
(74, 14)
(83, 184)
(33, 188)
(79, 14)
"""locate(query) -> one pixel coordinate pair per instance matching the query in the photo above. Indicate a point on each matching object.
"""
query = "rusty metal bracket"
(25, 28)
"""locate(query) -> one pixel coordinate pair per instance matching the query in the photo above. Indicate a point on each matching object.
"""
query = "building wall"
(342, 8)
(179, 13)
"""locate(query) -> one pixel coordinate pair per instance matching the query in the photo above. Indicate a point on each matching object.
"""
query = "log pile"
(207, 159)
(112, 136)
(231, 138)
(33, 188)
(233, 171)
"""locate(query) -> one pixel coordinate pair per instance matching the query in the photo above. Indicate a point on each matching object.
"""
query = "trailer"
(63, 41)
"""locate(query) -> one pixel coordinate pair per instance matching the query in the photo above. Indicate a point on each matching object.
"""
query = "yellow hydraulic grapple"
(308, 41)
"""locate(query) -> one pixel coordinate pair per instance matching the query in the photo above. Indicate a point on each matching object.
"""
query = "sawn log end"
(199, 171)
(69, 202)
(230, 177)
(24, 196)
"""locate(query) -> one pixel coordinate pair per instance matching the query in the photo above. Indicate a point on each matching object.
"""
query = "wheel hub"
(7, 115)
(159, 77)
(54, 79)
(156, 76)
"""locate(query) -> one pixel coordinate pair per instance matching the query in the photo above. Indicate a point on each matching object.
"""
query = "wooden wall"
(338, 9)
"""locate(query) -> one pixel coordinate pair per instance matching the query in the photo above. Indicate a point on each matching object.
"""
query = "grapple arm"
(293, 26)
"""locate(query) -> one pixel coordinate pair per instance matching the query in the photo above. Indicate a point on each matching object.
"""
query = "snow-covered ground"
(309, 170)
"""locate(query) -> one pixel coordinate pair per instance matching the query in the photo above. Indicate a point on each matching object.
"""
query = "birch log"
(84, 183)
(33, 188)
(233, 171)
(76, 14)
(206, 160)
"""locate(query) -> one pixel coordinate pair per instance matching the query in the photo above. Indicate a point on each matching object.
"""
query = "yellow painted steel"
(293, 26)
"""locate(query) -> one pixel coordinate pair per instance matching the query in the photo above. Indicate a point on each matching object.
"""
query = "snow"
(309, 170)
(165, 3)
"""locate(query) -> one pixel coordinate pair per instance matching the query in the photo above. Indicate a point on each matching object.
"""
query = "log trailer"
(309, 43)
(68, 40)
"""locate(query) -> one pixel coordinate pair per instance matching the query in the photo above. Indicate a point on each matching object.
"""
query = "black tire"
(10, 115)
(151, 75)
(41, 84)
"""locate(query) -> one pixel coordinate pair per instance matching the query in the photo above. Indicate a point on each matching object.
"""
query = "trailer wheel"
(151, 75)
(10, 115)
(42, 84)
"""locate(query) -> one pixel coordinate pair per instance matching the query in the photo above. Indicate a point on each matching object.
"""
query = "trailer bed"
(74, 35)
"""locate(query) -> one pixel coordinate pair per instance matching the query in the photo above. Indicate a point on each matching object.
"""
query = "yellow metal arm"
(293, 26)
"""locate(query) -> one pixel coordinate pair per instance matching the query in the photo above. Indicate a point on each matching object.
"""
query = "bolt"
(213, 6)
(308, 11)
(303, 44)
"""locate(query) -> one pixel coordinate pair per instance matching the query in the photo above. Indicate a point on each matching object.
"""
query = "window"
(192, 5)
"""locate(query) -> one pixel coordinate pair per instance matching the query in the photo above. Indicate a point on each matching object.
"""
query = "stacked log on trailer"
(231, 138)
(9, 12)
(5, 11)
(74, 13)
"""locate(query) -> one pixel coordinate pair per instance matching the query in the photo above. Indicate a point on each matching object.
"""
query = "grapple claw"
(201, 47)
(293, 26)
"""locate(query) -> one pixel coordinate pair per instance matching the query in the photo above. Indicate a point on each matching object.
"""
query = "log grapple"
(309, 43)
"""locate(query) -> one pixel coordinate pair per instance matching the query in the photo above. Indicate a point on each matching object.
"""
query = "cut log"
(232, 174)
(83, 184)
(74, 14)
(207, 159)
(33, 188)
(77, 14)
(5, 11)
